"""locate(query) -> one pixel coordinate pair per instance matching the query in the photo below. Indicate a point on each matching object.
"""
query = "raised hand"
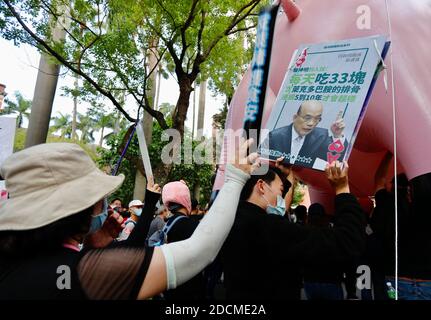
(284, 168)
(338, 176)
(246, 163)
(151, 186)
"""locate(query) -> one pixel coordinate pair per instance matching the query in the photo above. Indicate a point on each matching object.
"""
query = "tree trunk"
(140, 183)
(75, 109)
(196, 191)
(43, 99)
(19, 120)
(44, 91)
(148, 119)
(194, 111)
(183, 104)
(159, 81)
(101, 137)
(140, 186)
(201, 113)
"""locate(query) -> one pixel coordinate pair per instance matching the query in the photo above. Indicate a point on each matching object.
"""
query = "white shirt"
(296, 145)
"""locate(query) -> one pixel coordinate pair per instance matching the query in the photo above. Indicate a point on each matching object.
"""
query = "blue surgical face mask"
(98, 220)
(137, 211)
(279, 209)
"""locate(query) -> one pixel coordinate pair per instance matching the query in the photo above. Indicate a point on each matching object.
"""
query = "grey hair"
(160, 209)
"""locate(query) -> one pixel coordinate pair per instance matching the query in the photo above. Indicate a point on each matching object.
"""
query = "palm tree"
(86, 125)
(21, 106)
(103, 122)
(62, 122)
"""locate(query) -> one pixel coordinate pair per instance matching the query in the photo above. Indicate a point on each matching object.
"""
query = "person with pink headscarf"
(176, 197)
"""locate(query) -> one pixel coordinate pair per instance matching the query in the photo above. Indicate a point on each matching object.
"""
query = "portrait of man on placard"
(303, 142)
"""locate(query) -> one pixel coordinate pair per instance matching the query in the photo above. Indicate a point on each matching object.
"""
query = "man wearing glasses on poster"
(302, 142)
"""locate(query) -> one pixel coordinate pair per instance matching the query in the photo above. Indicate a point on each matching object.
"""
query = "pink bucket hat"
(177, 192)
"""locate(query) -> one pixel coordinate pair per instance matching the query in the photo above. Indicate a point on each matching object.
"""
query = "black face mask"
(126, 214)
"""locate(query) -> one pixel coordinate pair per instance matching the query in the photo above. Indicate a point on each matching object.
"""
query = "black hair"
(420, 194)
(115, 199)
(46, 238)
(317, 216)
(316, 209)
(125, 214)
(195, 204)
(301, 212)
(268, 177)
(173, 206)
(402, 180)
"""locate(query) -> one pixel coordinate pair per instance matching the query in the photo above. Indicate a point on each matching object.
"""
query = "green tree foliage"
(108, 44)
(20, 106)
(298, 194)
(219, 119)
(86, 124)
(19, 143)
(63, 123)
(200, 36)
(191, 173)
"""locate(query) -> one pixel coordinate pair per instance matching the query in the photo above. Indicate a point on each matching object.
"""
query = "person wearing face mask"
(33, 247)
(176, 197)
(106, 225)
(264, 254)
(135, 209)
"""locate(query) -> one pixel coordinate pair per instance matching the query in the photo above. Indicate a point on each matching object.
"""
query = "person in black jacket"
(320, 283)
(176, 197)
(414, 244)
(264, 253)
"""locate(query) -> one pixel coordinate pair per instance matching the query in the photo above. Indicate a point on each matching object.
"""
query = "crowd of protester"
(250, 243)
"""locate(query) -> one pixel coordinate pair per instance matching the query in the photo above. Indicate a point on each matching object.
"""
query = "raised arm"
(175, 263)
(307, 245)
(139, 233)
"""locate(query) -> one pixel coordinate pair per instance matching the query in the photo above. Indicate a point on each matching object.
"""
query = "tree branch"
(201, 30)
(168, 13)
(159, 58)
(65, 62)
(169, 43)
(154, 113)
(242, 29)
(81, 55)
(236, 19)
(82, 24)
(184, 28)
(57, 20)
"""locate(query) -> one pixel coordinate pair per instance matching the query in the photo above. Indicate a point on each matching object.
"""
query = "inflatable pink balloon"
(331, 20)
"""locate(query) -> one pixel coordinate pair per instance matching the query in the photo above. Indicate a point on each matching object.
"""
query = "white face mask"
(279, 209)
(137, 211)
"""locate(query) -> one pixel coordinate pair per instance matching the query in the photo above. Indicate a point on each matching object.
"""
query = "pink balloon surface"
(331, 20)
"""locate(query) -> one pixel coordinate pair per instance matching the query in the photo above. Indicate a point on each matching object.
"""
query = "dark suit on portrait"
(315, 144)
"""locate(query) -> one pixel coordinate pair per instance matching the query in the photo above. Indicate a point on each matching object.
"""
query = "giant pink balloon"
(330, 20)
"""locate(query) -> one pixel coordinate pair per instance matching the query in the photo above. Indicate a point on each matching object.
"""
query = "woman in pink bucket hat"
(177, 193)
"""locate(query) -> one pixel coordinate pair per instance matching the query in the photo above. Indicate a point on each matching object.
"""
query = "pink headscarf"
(177, 192)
